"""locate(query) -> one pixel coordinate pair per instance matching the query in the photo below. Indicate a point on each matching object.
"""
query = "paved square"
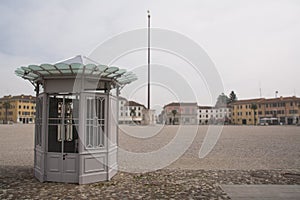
(263, 192)
(244, 155)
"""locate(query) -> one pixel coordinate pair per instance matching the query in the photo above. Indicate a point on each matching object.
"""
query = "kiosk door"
(62, 153)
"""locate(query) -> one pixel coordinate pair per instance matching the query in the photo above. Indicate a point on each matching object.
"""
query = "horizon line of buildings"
(280, 110)
(264, 111)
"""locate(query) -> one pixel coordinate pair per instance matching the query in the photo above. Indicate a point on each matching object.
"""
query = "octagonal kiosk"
(76, 131)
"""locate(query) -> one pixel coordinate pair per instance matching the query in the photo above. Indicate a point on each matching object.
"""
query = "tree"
(6, 106)
(132, 114)
(174, 112)
(232, 97)
(254, 108)
(222, 100)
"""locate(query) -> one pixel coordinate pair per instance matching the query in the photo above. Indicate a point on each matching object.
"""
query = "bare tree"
(6, 106)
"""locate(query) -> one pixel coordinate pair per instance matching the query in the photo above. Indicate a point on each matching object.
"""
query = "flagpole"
(148, 59)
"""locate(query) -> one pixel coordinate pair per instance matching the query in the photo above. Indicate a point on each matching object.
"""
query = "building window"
(24, 107)
(20, 106)
(293, 111)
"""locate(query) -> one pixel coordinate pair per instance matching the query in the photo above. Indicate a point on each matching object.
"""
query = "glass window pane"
(95, 112)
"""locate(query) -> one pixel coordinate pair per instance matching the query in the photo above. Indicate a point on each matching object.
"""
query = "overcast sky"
(253, 44)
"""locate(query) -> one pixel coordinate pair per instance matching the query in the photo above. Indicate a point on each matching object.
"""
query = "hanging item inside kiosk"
(67, 127)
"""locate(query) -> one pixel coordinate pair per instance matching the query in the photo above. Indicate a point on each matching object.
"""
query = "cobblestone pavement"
(243, 155)
(18, 183)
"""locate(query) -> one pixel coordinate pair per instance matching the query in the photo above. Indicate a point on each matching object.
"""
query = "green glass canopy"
(35, 73)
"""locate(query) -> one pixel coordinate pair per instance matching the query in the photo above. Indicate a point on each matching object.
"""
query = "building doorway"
(244, 122)
(62, 156)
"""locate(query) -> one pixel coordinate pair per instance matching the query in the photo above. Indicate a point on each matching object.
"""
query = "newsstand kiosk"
(76, 130)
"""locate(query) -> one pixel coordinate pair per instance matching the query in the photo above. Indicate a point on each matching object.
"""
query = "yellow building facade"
(282, 110)
(17, 109)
